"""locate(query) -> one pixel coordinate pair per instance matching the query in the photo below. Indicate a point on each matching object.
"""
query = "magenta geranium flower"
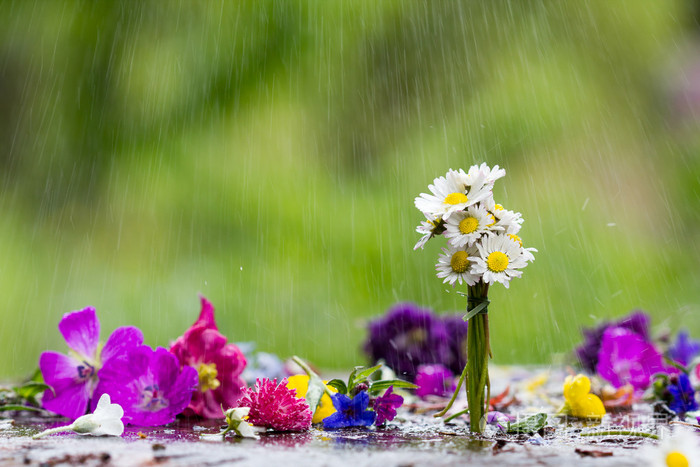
(276, 406)
(148, 384)
(74, 377)
(218, 364)
(435, 379)
(625, 357)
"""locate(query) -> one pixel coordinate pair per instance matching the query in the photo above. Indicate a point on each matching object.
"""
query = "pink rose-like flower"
(276, 406)
(218, 364)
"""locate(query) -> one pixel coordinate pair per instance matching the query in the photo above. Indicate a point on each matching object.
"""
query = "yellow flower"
(301, 384)
(579, 401)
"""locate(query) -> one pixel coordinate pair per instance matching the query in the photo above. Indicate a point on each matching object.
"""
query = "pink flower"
(218, 364)
(276, 406)
(626, 358)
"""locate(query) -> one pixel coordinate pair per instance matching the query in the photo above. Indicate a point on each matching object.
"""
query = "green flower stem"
(310, 373)
(51, 431)
(478, 351)
(454, 395)
(455, 415)
(640, 434)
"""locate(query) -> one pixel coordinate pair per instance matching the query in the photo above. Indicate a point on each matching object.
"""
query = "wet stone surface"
(415, 437)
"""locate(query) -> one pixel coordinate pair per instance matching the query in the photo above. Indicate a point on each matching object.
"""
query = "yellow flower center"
(497, 261)
(207, 376)
(676, 459)
(456, 198)
(468, 225)
(459, 262)
(516, 239)
(493, 220)
(498, 207)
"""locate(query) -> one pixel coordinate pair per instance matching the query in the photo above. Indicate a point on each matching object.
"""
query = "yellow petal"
(301, 384)
(588, 406)
(576, 387)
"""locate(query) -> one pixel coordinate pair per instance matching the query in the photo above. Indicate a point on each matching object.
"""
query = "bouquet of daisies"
(483, 247)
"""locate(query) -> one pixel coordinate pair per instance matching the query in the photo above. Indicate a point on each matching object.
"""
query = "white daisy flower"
(451, 194)
(429, 228)
(500, 259)
(466, 227)
(678, 450)
(455, 265)
(510, 221)
(527, 252)
(490, 175)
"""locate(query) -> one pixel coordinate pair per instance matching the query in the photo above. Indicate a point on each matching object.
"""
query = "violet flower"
(587, 353)
(73, 377)
(684, 349)
(219, 365)
(149, 385)
(682, 394)
(626, 357)
(406, 337)
(435, 379)
(349, 412)
(457, 328)
(385, 406)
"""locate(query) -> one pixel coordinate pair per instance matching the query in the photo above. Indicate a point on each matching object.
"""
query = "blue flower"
(683, 395)
(684, 349)
(350, 412)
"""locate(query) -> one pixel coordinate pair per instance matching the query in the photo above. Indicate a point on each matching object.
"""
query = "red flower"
(218, 364)
(276, 406)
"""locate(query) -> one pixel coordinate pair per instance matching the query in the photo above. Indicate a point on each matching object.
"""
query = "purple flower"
(149, 385)
(684, 349)
(73, 377)
(457, 328)
(434, 379)
(637, 322)
(407, 336)
(683, 395)
(499, 419)
(386, 406)
(625, 357)
(349, 412)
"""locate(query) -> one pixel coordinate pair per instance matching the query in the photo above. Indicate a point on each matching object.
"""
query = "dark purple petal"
(81, 330)
(72, 392)
(683, 395)
(406, 337)
(121, 341)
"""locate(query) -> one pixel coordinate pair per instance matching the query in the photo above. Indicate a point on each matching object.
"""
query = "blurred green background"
(267, 153)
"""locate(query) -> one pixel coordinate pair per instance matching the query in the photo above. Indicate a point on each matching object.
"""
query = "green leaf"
(360, 375)
(7, 408)
(339, 385)
(315, 391)
(30, 390)
(530, 425)
(380, 385)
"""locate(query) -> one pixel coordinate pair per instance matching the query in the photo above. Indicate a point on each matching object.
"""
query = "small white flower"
(500, 259)
(106, 420)
(678, 450)
(466, 227)
(428, 228)
(451, 194)
(509, 221)
(235, 420)
(527, 252)
(490, 175)
(455, 265)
